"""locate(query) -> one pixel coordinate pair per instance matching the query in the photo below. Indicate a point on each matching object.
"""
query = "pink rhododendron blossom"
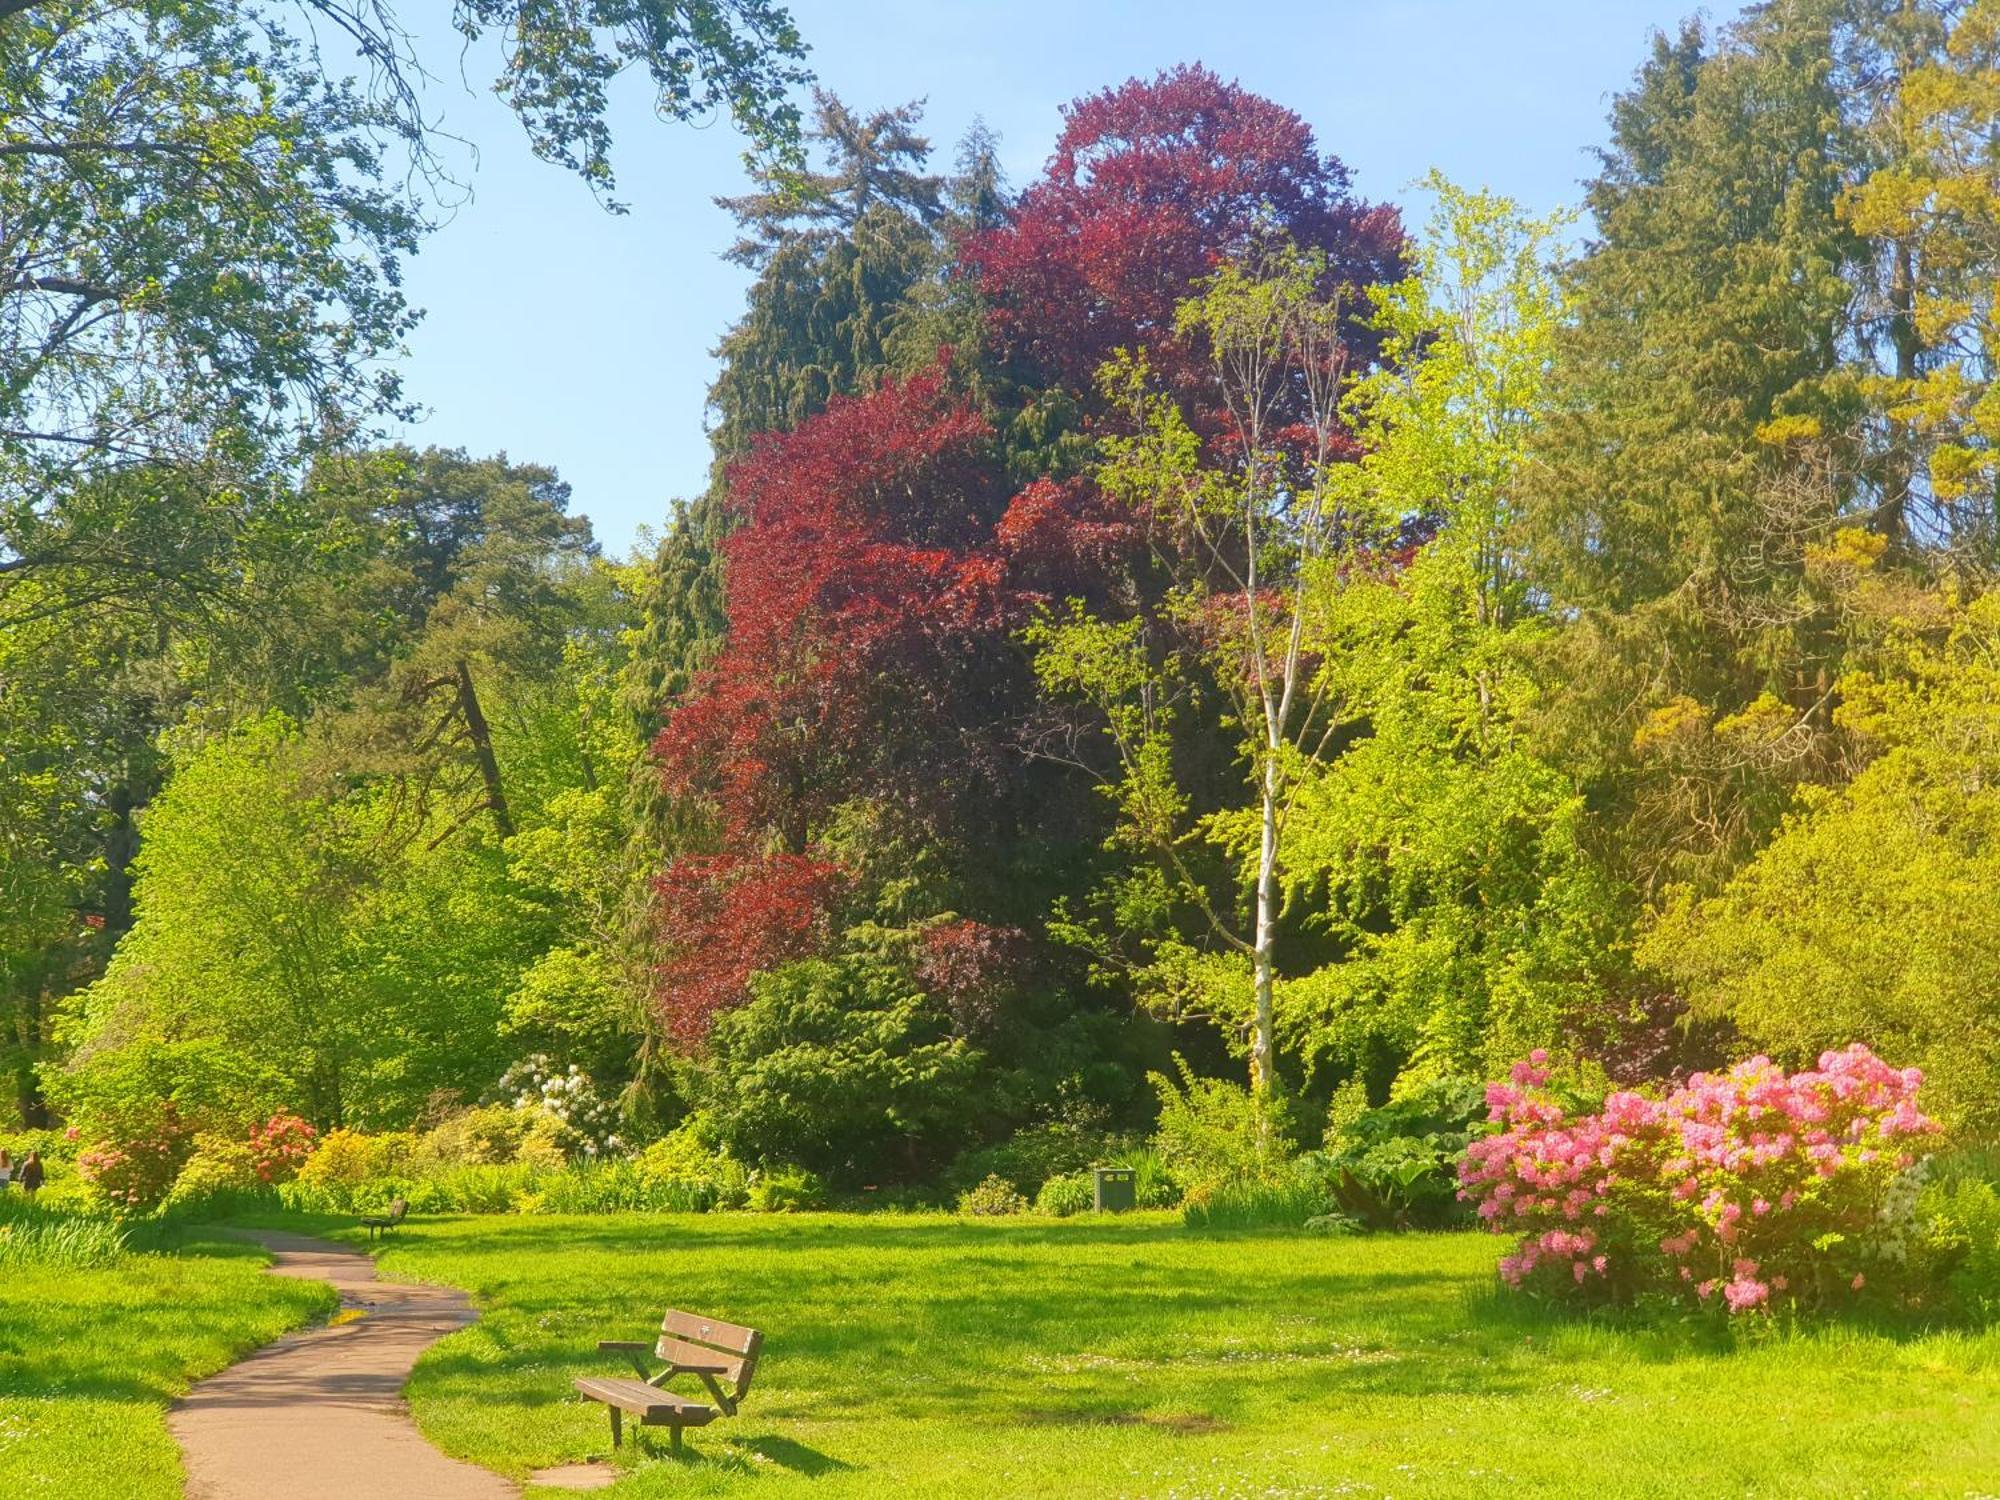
(1755, 1181)
(1742, 1294)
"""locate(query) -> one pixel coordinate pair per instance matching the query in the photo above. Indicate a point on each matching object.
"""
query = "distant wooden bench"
(689, 1344)
(382, 1223)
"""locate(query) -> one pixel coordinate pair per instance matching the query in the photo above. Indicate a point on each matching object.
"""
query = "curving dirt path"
(319, 1415)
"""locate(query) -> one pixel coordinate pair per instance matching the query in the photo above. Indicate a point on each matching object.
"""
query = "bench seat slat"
(648, 1403)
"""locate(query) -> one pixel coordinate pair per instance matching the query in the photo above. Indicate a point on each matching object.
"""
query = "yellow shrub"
(496, 1135)
(350, 1156)
(219, 1164)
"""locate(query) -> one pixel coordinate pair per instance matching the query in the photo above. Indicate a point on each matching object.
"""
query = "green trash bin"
(1117, 1189)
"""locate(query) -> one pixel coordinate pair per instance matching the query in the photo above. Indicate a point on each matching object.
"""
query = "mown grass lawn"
(89, 1361)
(929, 1357)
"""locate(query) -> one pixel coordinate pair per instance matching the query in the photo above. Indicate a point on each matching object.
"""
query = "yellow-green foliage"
(1871, 916)
(687, 1163)
(219, 1165)
(686, 1151)
(1214, 1133)
(992, 1198)
(349, 1156)
(493, 1135)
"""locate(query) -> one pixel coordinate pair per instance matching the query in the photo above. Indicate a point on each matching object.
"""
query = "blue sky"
(566, 335)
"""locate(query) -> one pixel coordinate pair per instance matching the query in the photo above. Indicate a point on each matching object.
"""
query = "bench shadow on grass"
(797, 1457)
(743, 1456)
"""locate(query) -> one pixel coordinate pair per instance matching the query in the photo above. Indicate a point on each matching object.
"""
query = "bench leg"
(617, 1425)
(676, 1431)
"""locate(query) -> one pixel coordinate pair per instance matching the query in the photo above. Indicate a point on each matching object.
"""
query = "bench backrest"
(397, 1209)
(725, 1350)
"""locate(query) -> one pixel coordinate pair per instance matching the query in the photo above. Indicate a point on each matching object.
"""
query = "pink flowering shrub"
(1742, 1189)
(280, 1146)
(136, 1159)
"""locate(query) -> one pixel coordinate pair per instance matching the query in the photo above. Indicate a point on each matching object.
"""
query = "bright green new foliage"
(1441, 851)
(1255, 520)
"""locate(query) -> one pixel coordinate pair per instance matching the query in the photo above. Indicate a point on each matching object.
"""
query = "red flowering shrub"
(280, 1146)
(1754, 1184)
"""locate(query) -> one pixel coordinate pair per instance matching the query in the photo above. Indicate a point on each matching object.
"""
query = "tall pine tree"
(1703, 440)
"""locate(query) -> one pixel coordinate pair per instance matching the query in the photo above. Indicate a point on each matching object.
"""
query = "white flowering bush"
(1897, 1227)
(586, 1121)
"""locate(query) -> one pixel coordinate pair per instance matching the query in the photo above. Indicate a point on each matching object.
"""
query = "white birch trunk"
(1262, 1048)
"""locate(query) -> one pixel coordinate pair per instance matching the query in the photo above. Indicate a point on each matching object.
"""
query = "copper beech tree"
(867, 613)
(890, 550)
(1152, 185)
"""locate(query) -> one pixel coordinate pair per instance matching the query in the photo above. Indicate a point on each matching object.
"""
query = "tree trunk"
(32, 1040)
(1262, 1048)
(1902, 467)
(482, 750)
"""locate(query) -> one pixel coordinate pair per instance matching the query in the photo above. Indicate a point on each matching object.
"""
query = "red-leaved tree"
(1152, 185)
(870, 641)
(864, 594)
(723, 918)
(883, 567)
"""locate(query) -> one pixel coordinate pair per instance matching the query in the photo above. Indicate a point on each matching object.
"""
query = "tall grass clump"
(1283, 1204)
(53, 1240)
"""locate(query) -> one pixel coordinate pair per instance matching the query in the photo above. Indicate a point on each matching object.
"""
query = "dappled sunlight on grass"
(932, 1356)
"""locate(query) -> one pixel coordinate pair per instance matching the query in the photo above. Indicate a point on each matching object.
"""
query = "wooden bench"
(689, 1344)
(382, 1223)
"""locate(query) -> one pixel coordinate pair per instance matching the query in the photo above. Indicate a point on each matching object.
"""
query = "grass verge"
(91, 1358)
